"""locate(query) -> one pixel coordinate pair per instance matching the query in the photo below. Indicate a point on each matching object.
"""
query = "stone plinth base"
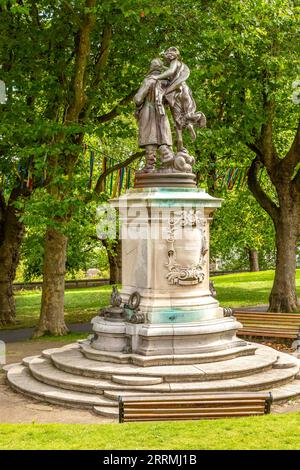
(189, 339)
(164, 180)
(77, 376)
(165, 253)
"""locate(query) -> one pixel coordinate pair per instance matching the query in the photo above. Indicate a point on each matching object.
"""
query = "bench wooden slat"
(269, 324)
(192, 416)
(269, 321)
(195, 396)
(275, 314)
(200, 414)
(285, 321)
(132, 411)
(269, 315)
(198, 407)
(274, 330)
(261, 328)
(264, 327)
(188, 404)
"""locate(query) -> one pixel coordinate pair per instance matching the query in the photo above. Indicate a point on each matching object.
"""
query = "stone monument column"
(165, 307)
(163, 333)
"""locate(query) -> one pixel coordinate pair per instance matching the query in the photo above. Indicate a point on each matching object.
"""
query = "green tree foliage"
(75, 71)
(240, 227)
(247, 56)
(72, 67)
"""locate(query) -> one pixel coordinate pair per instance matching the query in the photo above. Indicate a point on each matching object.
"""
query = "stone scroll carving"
(178, 273)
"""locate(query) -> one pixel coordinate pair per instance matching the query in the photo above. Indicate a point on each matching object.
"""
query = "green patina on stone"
(181, 315)
(179, 190)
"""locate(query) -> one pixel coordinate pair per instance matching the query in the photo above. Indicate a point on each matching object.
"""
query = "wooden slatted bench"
(191, 407)
(269, 325)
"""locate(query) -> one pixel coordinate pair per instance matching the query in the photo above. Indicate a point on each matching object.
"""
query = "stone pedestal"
(161, 339)
(165, 259)
(166, 334)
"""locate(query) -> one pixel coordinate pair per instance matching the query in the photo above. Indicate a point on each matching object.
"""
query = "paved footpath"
(16, 408)
(22, 334)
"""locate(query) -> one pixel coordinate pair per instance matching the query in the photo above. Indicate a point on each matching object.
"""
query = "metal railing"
(73, 284)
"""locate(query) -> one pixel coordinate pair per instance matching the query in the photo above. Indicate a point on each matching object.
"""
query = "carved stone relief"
(178, 273)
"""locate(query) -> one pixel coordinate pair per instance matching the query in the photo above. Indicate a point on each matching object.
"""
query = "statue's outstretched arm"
(169, 72)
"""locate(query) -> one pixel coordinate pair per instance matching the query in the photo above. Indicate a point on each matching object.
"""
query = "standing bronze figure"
(162, 87)
(154, 126)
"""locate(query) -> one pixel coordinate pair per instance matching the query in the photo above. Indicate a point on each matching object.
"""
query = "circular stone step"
(47, 353)
(21, 380)
(148, 361)
(73, 362)
(286, 392)
(129, 380)
(26, 361)
(45, 372)
(262, 381)
(70, 379)
(285, 361)
(109, 412)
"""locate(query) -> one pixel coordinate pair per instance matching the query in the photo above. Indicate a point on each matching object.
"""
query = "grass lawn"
(81, 305)
(269, 432)
(233, 290)
(245, 289)
(70, 338)
(264, 432)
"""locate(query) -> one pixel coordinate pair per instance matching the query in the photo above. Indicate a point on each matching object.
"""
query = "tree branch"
(296, 181)
(100, 64)
(264, 141)
(34, 13)
(262, 198)
(292, 158)
(116, 111)
(255, 148)
(268, 150)
(117, 166)
(69, 10)
(2, 209)
(103, 53)
(81, 60)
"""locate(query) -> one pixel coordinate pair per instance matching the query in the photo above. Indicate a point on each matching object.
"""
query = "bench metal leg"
(121, 410)
(268, 404)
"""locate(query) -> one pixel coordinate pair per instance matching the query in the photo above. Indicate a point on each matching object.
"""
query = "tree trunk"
(52, 307)
(283, 297)
(115, 264)
(114, 254)
(286, 218)
(253, 260)
(11, 235)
